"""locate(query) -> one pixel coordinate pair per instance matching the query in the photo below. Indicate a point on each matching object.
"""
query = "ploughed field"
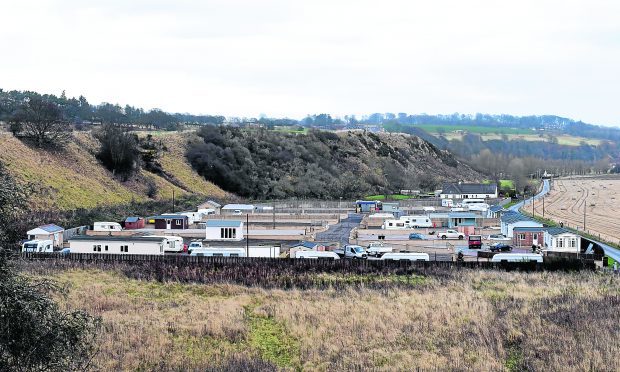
(600, 196)
(445, 319)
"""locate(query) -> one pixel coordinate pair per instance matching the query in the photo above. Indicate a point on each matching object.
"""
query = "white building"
(469, 191)
(224, 230)
(510, 220)
(47, 232)
(561, 240)
(238, 209)
(118, 244)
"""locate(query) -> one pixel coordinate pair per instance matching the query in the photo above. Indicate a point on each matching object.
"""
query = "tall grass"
(443, 319)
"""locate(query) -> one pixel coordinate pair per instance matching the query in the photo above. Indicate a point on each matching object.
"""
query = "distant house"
(511, 220)
(305, 246)
(495, 211)
(238, 209)
(457, 219)
(171, 222)
(469, 190)
(224, 230)
(47, 232)
(366, 206)
(132, 223)
(210, 204)
(439, 219)
(558, 239)
(389, 207)
(528, 236)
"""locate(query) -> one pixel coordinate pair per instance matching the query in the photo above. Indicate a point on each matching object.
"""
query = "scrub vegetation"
(439, 318)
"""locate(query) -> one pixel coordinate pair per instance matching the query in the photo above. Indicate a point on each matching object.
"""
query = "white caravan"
(447, 202)
(173, 243)
(408, 256)
(394, 225)
(148, 245)
(107, 226)
(417, 221)
(46, 246)
(317, 254)
(517, 257)
(475, 204)
(219, 252)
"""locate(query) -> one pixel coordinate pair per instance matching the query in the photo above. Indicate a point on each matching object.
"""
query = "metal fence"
(307, 264)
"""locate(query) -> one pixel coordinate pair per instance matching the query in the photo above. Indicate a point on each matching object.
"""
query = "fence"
(307, 265)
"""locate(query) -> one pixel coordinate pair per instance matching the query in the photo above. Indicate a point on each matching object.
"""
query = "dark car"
(501, 247)
(416, 236)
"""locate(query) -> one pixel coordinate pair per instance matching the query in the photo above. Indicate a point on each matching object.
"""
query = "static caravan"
(406, 256)
(447, 203)
(317, 255)
(173, 244)
(107, 226)
(171, 222)
(47, 232)
(394, 225)
(517, 257)
(118, 244)
(417, 221)
(46, 246)
(224, 230)
(219, 252)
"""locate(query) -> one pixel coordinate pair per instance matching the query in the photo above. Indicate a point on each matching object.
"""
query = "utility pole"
(533, 211)
(173, 200)
(247, 235)
(543, 199)
(584, 213)
(274, 214)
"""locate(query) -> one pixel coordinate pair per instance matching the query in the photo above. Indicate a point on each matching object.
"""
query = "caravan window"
(218, 255)
(179, 222)
(522, 237)
(234, 255)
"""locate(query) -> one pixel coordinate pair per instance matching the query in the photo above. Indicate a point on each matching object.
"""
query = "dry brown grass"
(74, 178)
(463, 320)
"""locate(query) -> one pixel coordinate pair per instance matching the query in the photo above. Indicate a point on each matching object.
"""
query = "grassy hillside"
(479, 320)
(74, 178)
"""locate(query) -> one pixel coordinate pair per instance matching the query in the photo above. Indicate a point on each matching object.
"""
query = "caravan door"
(168, 223)
(535, 239)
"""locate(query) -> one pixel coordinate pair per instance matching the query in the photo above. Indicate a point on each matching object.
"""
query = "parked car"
(194, 245)
(417, 236)
(450, 234)
(501, 247)
(64, 251)
(498, 237)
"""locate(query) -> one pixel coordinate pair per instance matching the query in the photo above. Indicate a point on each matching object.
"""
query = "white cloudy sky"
(292, 58)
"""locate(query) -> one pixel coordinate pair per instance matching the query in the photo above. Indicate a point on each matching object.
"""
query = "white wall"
(215, 233)
(114, 247)
(507, 229)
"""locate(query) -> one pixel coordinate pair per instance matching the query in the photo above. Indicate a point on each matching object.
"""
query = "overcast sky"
(293, 57)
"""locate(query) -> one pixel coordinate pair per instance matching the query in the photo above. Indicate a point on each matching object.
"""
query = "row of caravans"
(393, 256)
(408, 222)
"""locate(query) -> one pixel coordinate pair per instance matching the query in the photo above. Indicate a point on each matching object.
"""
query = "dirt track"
(600, 196)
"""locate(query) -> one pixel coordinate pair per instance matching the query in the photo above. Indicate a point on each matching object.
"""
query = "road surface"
(340, 232)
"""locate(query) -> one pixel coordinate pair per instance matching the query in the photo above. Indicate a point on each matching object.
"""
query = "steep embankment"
(268, 164)
(74, 178)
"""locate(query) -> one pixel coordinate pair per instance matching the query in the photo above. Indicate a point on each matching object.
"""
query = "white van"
(46, 246)
(173, 243)
(394, 225)
(417, 221)
(107, 226)
(409, 256)
(219, 252)
(517, 257)
(317, 255)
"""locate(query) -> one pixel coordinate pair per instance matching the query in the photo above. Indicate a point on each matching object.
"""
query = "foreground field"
(568, 198)
(440, 319)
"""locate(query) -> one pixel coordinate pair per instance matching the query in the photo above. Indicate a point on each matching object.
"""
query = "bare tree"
(42, 122)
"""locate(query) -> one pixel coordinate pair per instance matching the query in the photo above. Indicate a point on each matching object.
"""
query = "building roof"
(529, 229)
(132, 219)
(46, 229)
(512, 217)
(469, 188)
(223, 223)
(170, 216)
(462, 215)
(366, 202)
(553, 231)
(496, 208)
(108, 238)
(438, 215)
(238, 206)
(309, 245)
(390, 204)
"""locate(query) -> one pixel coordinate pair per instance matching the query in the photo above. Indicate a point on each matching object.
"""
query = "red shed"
(132, 223)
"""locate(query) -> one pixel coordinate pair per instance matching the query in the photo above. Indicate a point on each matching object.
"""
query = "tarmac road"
(340, 232)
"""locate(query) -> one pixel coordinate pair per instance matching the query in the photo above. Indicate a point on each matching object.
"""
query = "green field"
(473, 129)
(390, 197)
(503, 184)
